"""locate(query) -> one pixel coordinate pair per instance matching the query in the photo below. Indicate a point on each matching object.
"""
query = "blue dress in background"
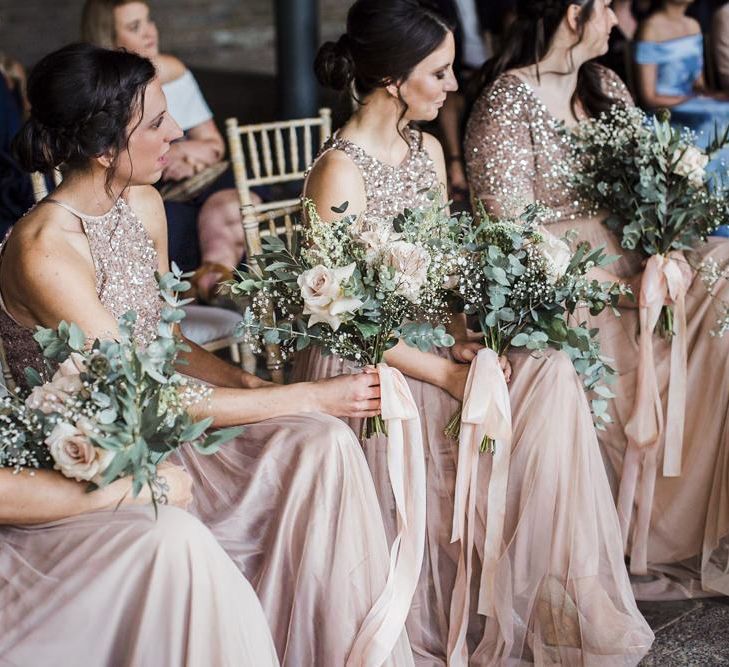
(679, 63)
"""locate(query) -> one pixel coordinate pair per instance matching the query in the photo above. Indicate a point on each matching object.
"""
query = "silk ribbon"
(663, 283)
(385, 622)
(486, 412)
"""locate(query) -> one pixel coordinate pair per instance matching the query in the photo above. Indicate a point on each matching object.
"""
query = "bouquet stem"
(494, 341)
(373, 427)
(664, 326)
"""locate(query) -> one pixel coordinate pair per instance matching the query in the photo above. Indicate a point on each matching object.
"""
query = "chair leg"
(248, 358)
(234, 351)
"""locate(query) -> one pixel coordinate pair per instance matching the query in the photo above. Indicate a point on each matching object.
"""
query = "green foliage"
(528, 288)
(133, 396)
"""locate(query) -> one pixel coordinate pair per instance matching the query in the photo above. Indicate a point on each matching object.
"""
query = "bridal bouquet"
(525, 286)
(112, 408)
(353, 288)
(653, 181)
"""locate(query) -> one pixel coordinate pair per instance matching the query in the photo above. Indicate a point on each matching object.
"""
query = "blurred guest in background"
(669, 55)
(720, 44)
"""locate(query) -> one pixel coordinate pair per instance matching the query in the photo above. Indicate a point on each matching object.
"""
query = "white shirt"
(185, 101)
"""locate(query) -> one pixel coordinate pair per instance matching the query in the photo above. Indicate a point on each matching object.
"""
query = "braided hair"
(83, 100)
(528, 40)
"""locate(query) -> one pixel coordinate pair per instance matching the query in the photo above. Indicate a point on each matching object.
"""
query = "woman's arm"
(646, 81)
(242, 398)
(46, 495)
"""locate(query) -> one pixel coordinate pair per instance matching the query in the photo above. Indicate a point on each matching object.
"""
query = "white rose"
(47, 398)
(411, 264)
(557, 253)
(374, 242)
(324, 300)
(691, 163)
(68, 376)
(73, 453)
(66, 382)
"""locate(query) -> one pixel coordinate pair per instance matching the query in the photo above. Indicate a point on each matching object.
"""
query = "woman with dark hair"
(562, 591)
(91, 578)
(291, 500)
(517, 155)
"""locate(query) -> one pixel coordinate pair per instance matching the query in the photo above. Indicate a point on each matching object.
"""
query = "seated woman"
(291, 500)
(572, 604)
(218, 245)
(92, 578)
(669, 56)
(517, 154)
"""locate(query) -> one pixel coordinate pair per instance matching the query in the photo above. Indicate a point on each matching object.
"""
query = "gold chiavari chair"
(273, 154)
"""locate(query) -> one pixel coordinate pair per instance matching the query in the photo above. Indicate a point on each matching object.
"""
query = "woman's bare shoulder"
(169, 68)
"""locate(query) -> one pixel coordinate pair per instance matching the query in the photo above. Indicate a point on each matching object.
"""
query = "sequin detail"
(518, 153)
(389, 190)
(125, 260)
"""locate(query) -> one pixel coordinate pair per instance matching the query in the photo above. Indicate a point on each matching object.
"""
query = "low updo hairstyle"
(83, 100)
(384, 41)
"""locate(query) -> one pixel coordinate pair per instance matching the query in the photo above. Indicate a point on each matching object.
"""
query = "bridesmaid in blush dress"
(83, 581)
(516, 154)
(562, 593)
(291, 500)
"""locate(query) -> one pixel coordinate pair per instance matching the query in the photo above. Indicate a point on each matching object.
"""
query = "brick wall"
(234, 35)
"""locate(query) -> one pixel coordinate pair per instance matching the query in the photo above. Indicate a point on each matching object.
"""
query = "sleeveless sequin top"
(125, 261)
(390, 190)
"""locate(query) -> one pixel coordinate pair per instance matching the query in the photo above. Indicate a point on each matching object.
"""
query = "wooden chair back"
(268, 154)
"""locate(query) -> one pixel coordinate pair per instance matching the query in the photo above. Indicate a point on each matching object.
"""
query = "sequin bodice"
(517, 152)
(125, 261)
(390, 190)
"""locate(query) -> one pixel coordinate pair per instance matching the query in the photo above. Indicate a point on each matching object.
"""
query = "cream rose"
(374, 242)
(73, 453)
(411, 264)
(691, 163)
(557, 253)
(47, 398)
(323, 294)
(66, 381)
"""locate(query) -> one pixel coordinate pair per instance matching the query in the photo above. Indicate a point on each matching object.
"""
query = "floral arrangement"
(652, 179)
(525, 287)
(112, 408)
(354, 288)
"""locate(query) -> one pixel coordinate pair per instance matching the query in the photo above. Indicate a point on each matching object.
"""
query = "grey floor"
(688, 632)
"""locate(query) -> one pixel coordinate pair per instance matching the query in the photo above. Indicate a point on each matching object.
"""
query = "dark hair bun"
(82, 100)
(36, 148)
(334, 65)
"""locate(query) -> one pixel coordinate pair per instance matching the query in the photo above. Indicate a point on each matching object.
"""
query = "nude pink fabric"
(663, 283)
(121, 588)
(385, 622)
(486, 412)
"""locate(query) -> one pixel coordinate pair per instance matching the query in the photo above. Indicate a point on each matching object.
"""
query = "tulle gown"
(120, 588)
(516, 154)
(563, 594)
(291, 500)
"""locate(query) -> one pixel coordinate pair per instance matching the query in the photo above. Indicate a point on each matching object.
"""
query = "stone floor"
(688, 632)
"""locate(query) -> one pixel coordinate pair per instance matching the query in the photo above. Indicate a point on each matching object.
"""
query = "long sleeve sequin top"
(517, 153)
